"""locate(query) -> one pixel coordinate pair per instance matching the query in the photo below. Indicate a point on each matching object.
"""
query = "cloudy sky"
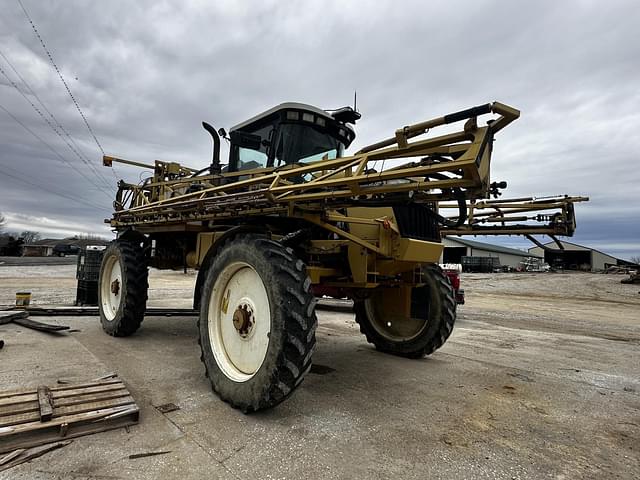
(146, 73)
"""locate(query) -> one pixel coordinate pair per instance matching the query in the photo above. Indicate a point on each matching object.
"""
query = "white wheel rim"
(239, 321)
(111, 288)
(395, 325)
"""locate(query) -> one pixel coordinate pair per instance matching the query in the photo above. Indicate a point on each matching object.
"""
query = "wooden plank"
(7, 458)
(43, 415)
(28, 417)
(32, 406)
(94, 397)
(30, 439)
(148, 454)
(20, 398)
(113, 391)
(57, 421)
(33, 390)
(109, 381)
(46, 407)
(17, 418)
(58, 395)
(32, 453)
(15, 393)
(87, 407)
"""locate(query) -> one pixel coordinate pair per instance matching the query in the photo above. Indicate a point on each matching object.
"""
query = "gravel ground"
(23, 261)
(56, 285)
(540, 379)
(570, 285)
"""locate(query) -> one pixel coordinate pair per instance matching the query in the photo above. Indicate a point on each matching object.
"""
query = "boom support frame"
(438, 168)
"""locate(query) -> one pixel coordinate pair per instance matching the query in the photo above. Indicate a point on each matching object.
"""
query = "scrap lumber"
(7, 458)
(148, 454)
(22, 455)
(79, 409)
(45, 402)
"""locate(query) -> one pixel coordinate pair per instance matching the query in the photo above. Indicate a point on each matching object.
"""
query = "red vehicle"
(454, 277)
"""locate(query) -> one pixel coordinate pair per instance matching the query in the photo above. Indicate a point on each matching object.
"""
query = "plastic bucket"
(23, 299)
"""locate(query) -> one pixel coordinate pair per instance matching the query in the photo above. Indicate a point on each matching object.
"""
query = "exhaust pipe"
(214, 168)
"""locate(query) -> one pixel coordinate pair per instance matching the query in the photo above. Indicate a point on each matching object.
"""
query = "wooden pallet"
(42, 415)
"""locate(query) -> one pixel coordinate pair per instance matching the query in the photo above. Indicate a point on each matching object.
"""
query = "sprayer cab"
(290, 134)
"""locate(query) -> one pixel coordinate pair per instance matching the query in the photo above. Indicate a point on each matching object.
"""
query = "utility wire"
(21, 178)
(64, 160)
(66, 86)
(39, 112)
(79, 151)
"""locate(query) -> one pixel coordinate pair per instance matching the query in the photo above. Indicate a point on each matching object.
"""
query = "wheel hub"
(243, 319)
(115, 287)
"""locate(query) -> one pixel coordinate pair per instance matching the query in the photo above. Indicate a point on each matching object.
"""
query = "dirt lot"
(540, 379)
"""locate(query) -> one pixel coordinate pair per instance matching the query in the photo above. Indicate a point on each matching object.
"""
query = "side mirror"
(222, 132)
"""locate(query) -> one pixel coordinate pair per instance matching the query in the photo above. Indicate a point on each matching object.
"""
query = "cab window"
(249, 159)
(250, 156)
(304, 144)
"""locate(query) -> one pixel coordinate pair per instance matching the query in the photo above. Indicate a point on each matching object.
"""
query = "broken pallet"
(47, 414)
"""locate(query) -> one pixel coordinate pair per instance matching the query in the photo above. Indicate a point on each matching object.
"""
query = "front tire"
(122, 288)
(257, 323)
(409, 321)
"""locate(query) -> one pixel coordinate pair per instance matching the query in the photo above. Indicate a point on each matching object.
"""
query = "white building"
(576, 257)
(456, 247)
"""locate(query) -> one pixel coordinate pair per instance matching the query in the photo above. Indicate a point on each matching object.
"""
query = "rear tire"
(257, 323)
(122, 288)
(409, 322)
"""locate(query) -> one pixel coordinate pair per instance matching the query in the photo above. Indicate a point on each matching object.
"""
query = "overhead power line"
(39, 112)
(64, 82)
(21, 178)
(35, 30)
(64, 160)
(59, 125)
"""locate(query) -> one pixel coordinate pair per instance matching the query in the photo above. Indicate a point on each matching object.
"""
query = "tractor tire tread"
(136, 279)
(293, 359)
(429, 344)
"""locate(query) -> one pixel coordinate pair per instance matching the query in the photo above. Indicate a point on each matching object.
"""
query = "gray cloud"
(148, 73)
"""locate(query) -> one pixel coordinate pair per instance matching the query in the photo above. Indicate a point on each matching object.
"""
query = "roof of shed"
(493, 248)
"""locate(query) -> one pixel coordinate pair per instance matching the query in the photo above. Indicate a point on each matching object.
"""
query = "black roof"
(289, 106)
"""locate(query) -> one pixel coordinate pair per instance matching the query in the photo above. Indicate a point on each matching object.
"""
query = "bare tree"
(30, 237)
(3, 222)
(636, 259)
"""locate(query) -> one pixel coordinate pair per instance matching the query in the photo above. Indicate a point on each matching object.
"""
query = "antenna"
(355, 100)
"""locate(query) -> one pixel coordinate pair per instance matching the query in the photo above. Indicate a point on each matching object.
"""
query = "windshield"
(303, 144)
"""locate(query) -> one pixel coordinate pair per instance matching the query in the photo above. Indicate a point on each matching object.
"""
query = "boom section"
(516, 216)
(420, 168)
